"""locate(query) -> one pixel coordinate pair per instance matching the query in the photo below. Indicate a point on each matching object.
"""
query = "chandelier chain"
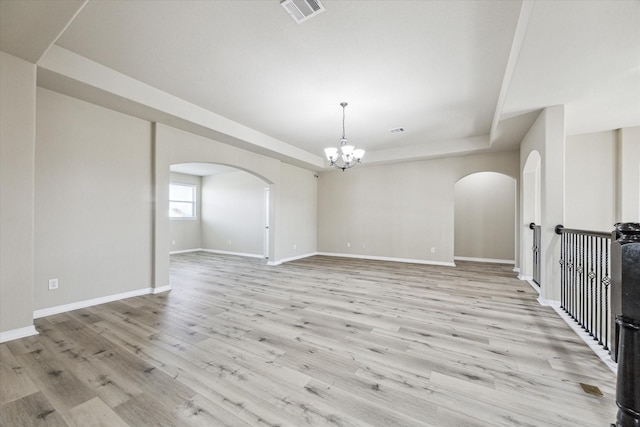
(344, 104)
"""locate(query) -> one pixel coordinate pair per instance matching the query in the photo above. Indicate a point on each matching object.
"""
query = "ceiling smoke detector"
(396, 130)
(301, 10)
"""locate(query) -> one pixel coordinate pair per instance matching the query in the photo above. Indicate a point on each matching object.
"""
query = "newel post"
(625, 269)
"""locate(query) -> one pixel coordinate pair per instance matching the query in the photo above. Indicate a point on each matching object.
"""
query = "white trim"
(597, 349)
(516, 270)
(15, 334)
(489, 260)
(536, 287)
(383, 258)
(90, 302)
(185, 251)
(161, 289)
(517, 41)
(293, 258)
(215, 251)
(548, 302)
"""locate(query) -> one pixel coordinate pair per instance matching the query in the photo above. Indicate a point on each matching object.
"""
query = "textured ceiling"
(457, 75)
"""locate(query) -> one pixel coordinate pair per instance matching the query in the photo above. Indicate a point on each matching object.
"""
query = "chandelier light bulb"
(347, 150)
(331, 153)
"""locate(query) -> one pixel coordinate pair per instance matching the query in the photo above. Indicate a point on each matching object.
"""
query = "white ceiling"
(459, 76)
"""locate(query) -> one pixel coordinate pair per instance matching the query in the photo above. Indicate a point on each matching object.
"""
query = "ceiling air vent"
(301, 10)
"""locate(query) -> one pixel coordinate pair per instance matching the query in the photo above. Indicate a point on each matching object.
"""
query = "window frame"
(193, 202)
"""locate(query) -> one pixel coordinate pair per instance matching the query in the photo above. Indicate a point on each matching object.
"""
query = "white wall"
(603, 179)
(590, 179)
(628, 175)
(297, 220)
(398, 211)
(186, 234)
(485, 217)
(234, 213)
(17, 145)
(93, 201)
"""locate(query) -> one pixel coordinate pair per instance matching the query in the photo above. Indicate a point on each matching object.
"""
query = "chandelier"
(347, 156)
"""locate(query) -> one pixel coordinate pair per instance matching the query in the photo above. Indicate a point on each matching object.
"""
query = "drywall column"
(547, 137)
(17, 158)
(552, 203)
(161, 239)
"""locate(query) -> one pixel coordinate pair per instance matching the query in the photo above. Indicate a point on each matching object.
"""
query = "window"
(182, 201)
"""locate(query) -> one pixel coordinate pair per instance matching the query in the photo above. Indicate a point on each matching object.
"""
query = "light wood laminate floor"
(320, 341)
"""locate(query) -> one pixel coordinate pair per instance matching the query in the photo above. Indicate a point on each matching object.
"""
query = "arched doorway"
(231, 214)
(485, 218)
(531, 211)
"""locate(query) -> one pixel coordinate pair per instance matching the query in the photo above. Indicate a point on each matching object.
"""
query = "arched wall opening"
(485, 218)
(232, 211)
(531, 210)
(174, 146)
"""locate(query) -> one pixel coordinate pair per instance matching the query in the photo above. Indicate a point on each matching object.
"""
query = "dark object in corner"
(625, 268)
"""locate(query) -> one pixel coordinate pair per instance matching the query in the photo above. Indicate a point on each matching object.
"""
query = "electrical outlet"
(53, 284)
(173, 242)
(229, 242)
(348, 244)
(295, 246)
(433, 250)
(364, 246)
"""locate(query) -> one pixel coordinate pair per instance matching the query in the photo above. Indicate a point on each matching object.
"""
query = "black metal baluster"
(570, 273)
(574, 297)
(581, 280)
(600, 242)
(606, 280)
(590, 240)
(563, 291)
(585, 293)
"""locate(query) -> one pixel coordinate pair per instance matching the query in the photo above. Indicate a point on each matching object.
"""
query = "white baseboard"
(293, 258)
(488, 260)
(529, 280)
(15, 334)
(588, 339)
(96, 301)
(595, 347)
(383, 258)
(516, 269)
(185, 251)
(548, 302)
(161, 289)
(215, 251)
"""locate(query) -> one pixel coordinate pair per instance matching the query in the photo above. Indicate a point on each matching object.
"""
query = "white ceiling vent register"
(301, 10)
